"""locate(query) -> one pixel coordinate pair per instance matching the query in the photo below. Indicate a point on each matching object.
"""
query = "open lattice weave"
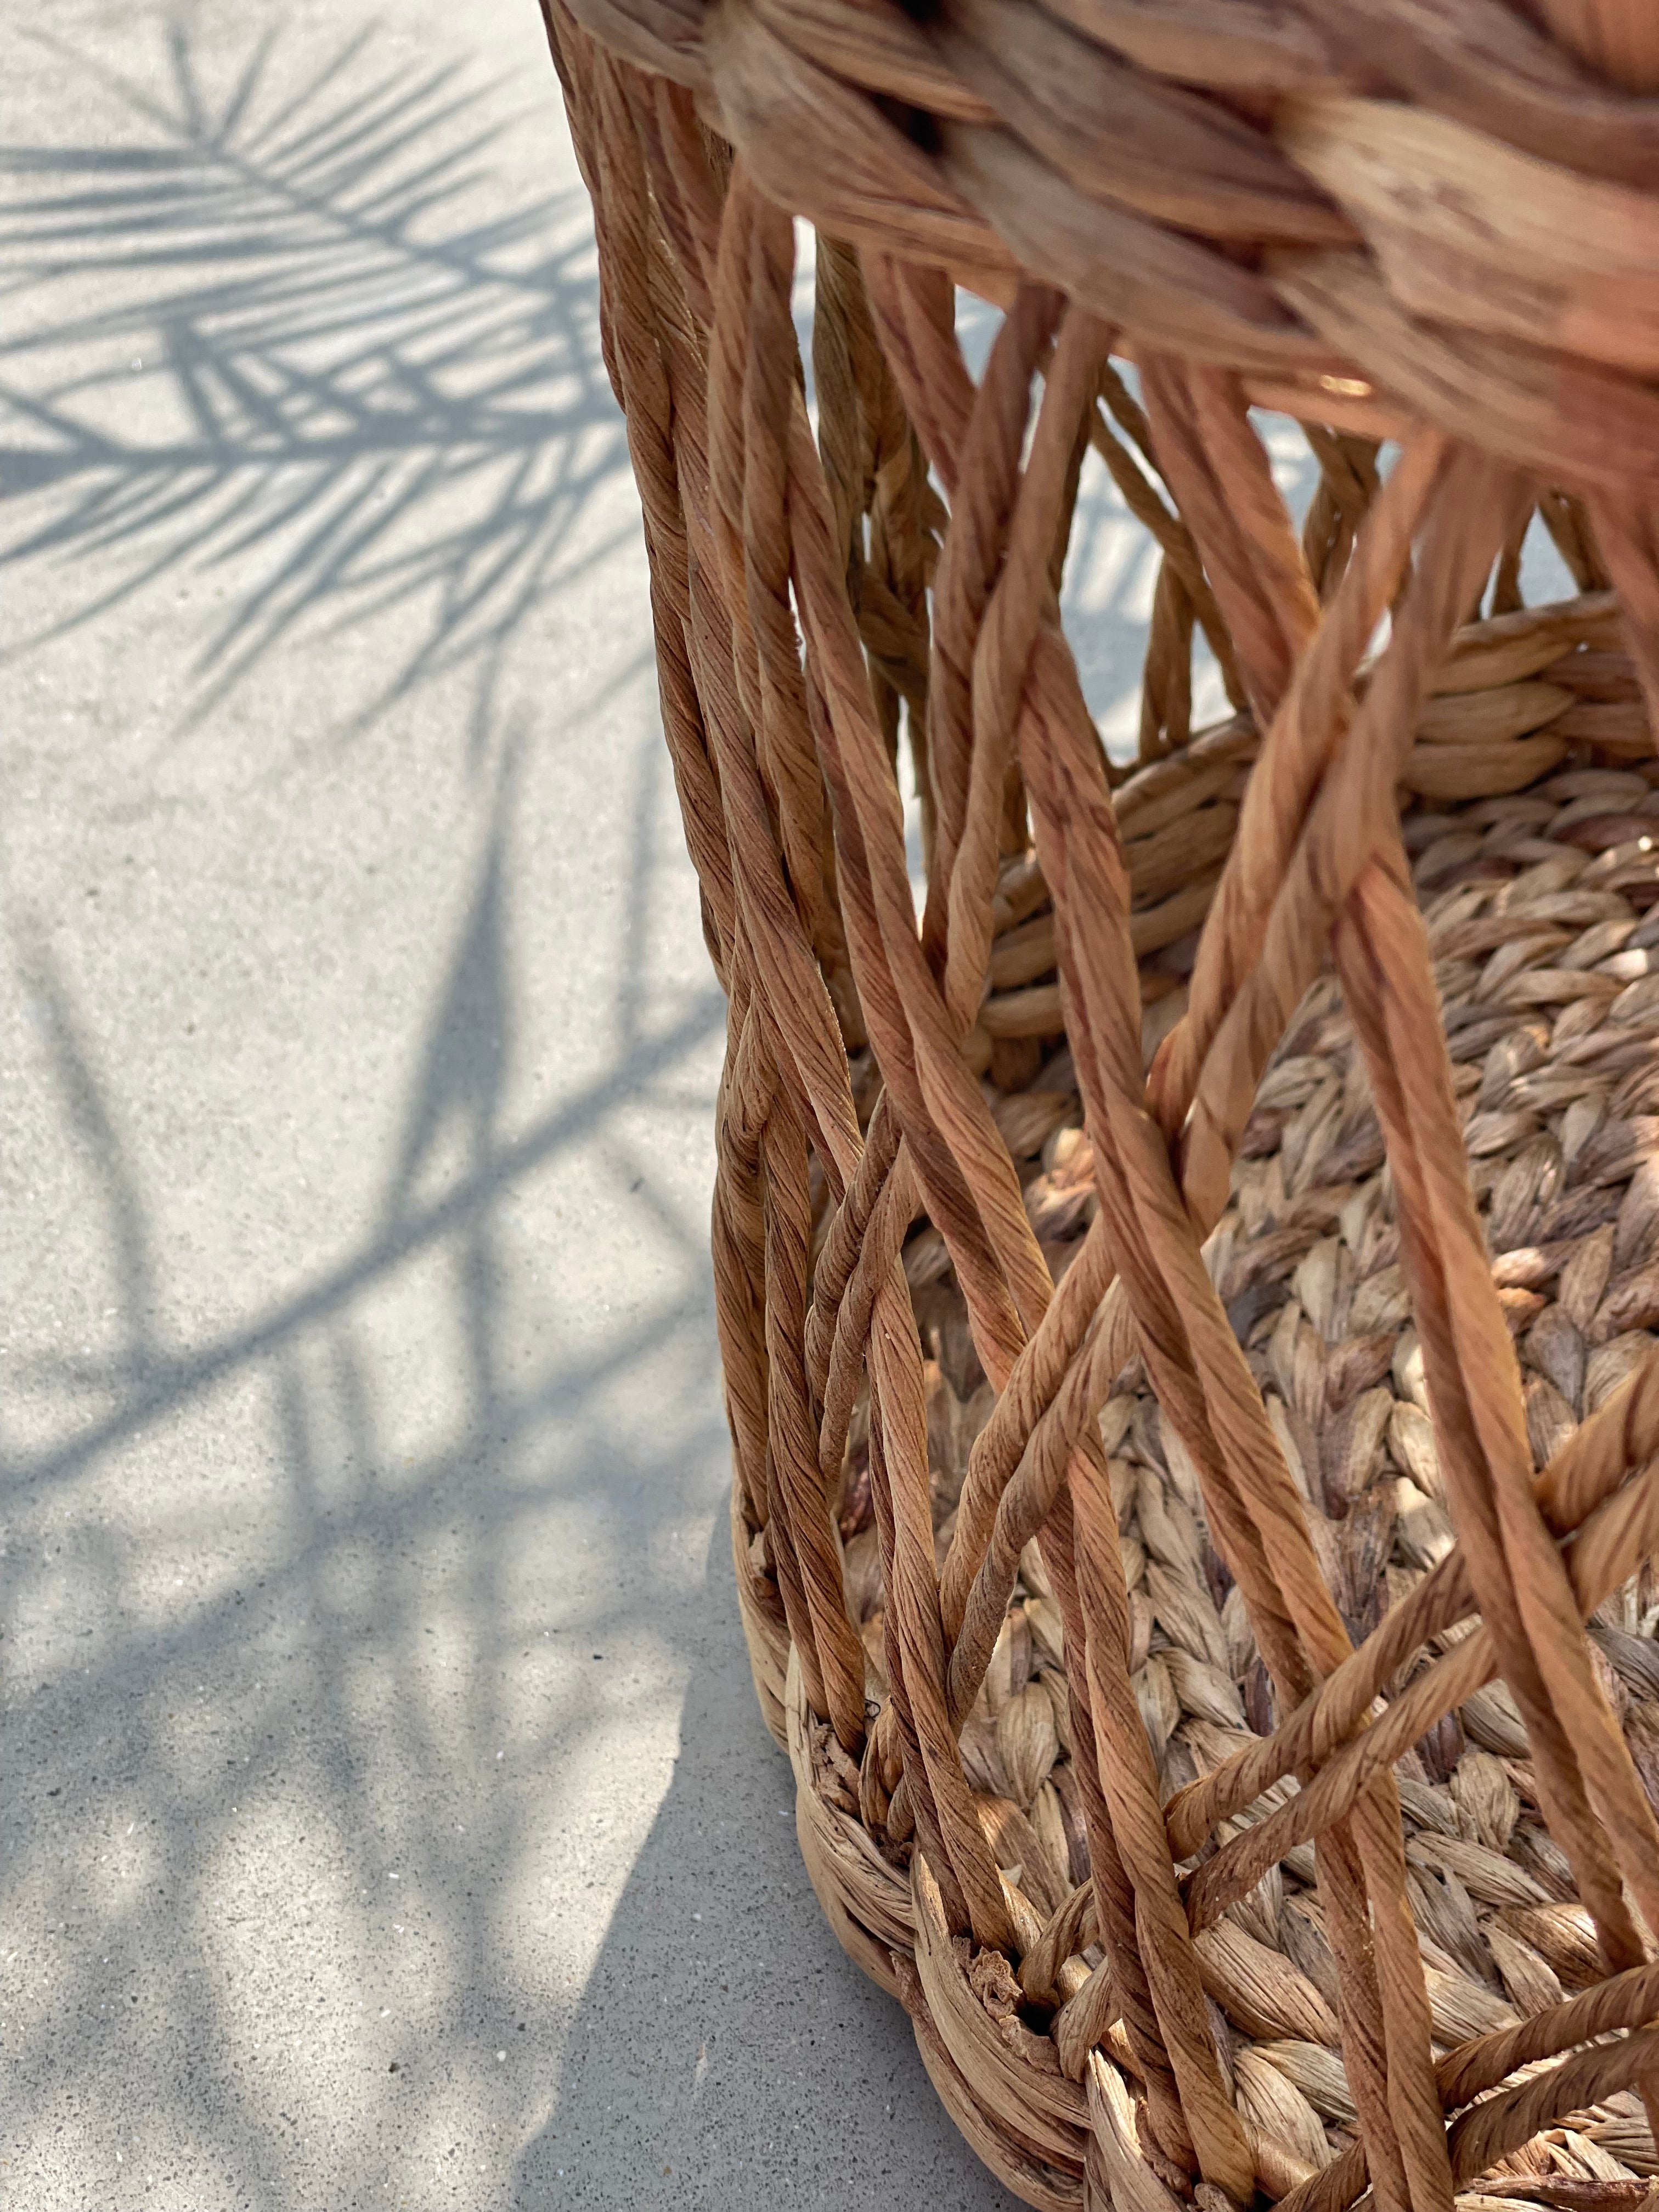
(1185, 1298)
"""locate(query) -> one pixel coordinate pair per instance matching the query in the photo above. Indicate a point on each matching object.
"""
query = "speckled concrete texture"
(387, 1820)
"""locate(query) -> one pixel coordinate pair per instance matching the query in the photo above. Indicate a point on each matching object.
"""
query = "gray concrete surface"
(359, 1387)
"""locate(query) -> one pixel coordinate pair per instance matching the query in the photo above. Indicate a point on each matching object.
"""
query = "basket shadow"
(726, 2050)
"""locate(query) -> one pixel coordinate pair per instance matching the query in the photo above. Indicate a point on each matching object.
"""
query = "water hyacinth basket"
(1186, 1282)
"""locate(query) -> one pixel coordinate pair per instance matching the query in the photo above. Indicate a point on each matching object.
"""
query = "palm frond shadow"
(395, 1562)
(358, 381)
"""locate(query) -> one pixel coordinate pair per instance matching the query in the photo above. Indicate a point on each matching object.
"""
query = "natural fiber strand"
(1186, 1281)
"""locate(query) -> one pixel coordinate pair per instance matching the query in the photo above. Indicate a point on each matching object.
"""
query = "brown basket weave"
(1185, 1299)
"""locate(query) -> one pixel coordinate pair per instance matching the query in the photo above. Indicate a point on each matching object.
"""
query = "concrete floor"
(386, 1818)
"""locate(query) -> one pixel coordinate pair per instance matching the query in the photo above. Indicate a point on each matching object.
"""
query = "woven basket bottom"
(1543, 908)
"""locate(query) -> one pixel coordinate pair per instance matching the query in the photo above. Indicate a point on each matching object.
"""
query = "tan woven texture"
(1186, 1288)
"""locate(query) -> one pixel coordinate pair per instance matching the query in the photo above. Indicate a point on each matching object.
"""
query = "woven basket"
(1185, 1296)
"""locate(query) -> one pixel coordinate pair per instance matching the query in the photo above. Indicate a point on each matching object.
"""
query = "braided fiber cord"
(1250, 205)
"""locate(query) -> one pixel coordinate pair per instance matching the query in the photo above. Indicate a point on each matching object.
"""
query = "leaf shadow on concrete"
(279, 328)
(318, 1799)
